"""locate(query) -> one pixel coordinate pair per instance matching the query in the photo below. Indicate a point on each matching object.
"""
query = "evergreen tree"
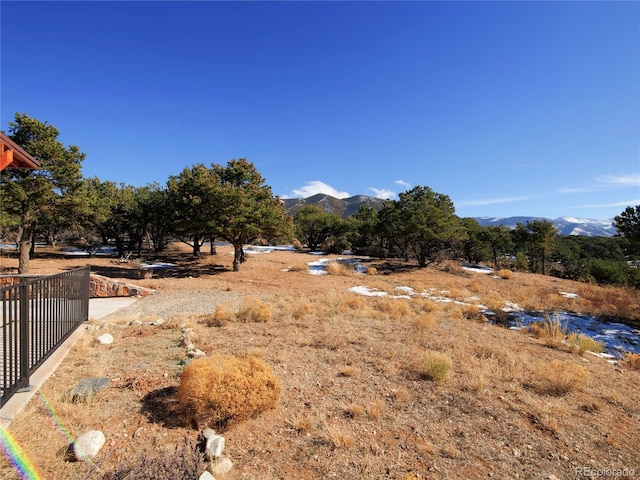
(46, 199)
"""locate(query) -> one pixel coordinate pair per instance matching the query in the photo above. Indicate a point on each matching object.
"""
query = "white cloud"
(490, 201)
(382, 193)
(402, 183)
(627, 203)
(631, 180)
(315, 187)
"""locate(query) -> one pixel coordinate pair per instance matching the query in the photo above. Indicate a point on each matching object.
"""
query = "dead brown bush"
(222, 390)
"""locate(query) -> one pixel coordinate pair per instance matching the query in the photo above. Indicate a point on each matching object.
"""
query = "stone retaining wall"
(99, 286)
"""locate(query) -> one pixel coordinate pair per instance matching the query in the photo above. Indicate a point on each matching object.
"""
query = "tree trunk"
(24, 246)
(237, 255)
(196, 246)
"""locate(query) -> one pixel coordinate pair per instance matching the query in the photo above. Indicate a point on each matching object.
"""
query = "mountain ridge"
(344, 207)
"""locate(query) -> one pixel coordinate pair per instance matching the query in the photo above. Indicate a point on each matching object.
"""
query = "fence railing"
(38, 315)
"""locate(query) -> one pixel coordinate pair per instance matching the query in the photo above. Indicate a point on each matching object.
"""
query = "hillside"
(344, 207)
(356, 397)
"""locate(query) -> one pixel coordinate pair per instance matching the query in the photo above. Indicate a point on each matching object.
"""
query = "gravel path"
(166, 304)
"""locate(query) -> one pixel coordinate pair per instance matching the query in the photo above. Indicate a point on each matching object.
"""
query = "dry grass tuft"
(254, 310)
(425, 322)
(374, 409)
(372, 271)
(220, 317)
(339, 268)
(559, 378)
(338, 437)
(550, 330)
(302, 424)
(354, 410)
(435, 366)
(632, 361)
(347, 371)
(298, 267)
(580, 343)
(505, 274)
(222, 390)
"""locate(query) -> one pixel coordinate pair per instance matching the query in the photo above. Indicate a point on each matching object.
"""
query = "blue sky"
(510, 108)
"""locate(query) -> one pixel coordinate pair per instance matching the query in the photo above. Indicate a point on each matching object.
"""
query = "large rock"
(88, 444)
(88, 388)
(105, 339)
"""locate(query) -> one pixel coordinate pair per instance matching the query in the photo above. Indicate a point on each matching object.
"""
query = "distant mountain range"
(344, 207)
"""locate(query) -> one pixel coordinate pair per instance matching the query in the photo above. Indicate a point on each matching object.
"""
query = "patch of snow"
(569, 295)
(157, 266)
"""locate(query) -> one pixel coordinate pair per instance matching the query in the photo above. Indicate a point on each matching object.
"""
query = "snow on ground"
(617, 337)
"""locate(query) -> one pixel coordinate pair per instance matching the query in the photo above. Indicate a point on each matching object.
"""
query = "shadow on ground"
(161, 406)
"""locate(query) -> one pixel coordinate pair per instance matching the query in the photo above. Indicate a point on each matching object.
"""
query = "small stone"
(214, 446)
(195, 353)
(206, 476)
(105, 339)
(221, 466)
(136, 323)
(208, 432)
(88, 444)
(159, 321)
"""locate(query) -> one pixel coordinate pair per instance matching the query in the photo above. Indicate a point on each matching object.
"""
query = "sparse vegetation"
(331, 349)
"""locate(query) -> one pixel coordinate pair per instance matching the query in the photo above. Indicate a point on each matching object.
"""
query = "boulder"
(88, 444)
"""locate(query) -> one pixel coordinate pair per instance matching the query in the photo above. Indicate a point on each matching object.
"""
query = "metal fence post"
(24, 334)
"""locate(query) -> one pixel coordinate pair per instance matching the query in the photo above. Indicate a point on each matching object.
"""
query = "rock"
(159, 321)
(214, 446)
(89, 388)
(206, 476)
(208, 432)
(88, 444)
(221, 466)
(105, 339)
(136, 323)
(195, 353)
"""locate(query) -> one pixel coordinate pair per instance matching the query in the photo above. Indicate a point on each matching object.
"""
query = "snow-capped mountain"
(348, 206)
(565, 225)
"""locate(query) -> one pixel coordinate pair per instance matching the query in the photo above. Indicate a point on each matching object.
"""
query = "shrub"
(559, 378)
(221, 390)
(435, 366)
(505, 274)
(580, 343)
(254, 310)
(372, 271)
(296, 244)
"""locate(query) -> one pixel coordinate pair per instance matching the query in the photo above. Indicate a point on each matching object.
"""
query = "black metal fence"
(38, 315)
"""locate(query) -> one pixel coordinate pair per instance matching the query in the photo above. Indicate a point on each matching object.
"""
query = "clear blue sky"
(510, 108)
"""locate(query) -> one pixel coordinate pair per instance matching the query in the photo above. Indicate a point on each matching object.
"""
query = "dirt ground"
(355, 401)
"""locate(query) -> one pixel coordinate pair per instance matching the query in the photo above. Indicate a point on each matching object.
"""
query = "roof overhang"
(14, 156)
